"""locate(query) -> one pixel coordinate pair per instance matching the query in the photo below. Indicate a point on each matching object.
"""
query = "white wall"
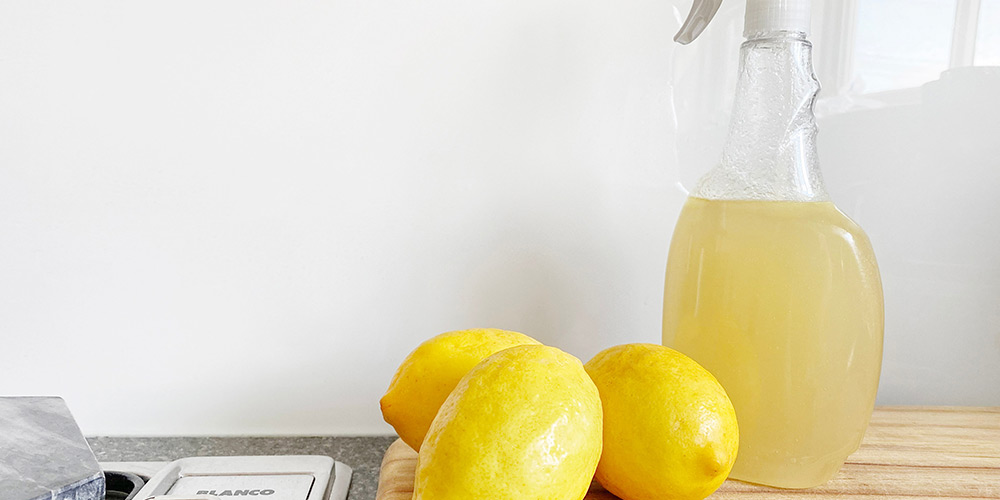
(238, 216)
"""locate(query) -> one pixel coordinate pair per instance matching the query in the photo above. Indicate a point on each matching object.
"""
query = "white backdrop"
(237, 217)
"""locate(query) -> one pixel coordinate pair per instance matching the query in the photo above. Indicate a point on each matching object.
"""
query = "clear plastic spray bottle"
(768, 284)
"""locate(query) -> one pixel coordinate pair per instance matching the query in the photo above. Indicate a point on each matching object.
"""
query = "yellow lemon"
(432, 370)
(525, 424)
(670, 430)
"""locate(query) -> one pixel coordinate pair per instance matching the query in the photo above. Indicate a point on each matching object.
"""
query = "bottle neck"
(770, 153)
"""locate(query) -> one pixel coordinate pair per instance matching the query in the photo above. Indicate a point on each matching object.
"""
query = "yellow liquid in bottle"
(782, 302)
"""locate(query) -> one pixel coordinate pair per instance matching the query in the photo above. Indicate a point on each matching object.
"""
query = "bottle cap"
(762, 16)
(776, 15)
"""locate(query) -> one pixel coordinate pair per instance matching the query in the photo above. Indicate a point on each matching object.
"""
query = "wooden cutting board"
(908, 452)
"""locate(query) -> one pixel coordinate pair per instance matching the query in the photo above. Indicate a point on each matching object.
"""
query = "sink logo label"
(236, 493)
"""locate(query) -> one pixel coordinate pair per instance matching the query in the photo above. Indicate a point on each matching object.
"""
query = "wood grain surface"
(908, 452)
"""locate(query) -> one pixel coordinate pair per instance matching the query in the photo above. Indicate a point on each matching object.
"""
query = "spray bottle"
(769, 286)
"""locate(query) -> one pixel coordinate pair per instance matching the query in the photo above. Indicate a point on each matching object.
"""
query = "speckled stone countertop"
(363, 454)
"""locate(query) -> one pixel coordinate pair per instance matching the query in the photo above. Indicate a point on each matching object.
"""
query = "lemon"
(525, 424)
(432, 370)
(670, 430)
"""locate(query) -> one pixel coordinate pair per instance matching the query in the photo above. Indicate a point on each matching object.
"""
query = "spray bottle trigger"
(702, 12)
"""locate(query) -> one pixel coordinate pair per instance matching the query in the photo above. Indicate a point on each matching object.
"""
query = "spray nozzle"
(762, 16)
